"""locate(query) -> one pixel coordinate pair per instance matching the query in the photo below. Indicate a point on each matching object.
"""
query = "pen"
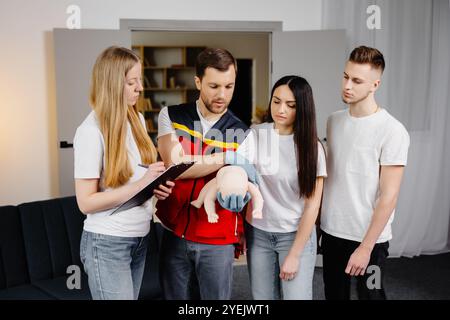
(143, 166)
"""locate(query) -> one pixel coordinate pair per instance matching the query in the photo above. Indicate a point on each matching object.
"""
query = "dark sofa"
(40, 240)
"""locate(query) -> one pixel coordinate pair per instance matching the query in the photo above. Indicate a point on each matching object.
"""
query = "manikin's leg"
(257, 200)
(210, 204)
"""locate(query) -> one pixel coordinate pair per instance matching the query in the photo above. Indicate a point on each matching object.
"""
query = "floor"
(418, 278)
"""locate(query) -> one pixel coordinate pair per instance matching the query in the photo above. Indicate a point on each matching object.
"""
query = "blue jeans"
(192, 270)
(114, 265)
(266, 252)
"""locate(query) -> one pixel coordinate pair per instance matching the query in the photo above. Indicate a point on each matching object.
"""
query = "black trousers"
(336, 253)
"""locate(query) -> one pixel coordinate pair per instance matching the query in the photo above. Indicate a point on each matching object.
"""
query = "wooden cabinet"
(168, 79)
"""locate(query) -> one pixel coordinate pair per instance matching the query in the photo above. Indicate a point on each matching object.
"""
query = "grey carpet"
(419, 278)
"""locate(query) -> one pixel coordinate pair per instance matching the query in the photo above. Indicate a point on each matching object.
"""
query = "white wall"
(28, 141)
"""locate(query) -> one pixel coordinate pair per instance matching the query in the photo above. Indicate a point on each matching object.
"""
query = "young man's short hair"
(216, 58)
(372, 56)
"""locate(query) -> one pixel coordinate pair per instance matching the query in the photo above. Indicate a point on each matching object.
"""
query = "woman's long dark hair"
(305, 131)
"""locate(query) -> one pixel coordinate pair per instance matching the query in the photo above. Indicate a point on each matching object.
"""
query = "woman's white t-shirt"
(276, 162)
(89, 161)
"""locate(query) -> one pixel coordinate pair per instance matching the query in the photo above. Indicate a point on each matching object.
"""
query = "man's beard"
(208, 105)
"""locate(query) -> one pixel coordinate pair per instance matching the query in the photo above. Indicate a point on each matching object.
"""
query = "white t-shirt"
(89, 162)
(276, 163)
(357, 147)
(165, 127)
(165, 124)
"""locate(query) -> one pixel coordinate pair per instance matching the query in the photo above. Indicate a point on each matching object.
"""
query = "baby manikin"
(229, 180)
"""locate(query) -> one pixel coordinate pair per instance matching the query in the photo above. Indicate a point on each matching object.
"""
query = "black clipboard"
(170, 174)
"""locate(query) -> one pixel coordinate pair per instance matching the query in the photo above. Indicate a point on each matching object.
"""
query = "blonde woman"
(111, 148)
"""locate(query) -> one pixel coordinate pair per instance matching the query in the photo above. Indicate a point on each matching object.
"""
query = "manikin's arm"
(201, 197)
(257, 200)
(207, 197)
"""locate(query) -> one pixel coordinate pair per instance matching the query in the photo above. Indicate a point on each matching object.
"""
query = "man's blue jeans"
(192, 270)
(114, 265)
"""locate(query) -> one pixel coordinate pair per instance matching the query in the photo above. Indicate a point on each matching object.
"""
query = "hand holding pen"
(153, 171)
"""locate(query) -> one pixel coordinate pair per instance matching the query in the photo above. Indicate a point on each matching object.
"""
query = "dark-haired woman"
(281, 247)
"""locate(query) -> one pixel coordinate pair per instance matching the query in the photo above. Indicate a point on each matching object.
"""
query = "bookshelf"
(168, 78)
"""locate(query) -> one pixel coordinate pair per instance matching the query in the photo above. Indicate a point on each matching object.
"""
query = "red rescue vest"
(176, 212)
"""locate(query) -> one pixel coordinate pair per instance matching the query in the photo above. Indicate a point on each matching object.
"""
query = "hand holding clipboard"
(145, 194)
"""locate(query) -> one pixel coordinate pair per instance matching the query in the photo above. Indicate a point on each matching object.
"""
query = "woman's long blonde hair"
(109, 103)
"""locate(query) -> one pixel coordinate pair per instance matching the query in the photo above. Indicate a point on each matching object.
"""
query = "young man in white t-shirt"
(367, 153)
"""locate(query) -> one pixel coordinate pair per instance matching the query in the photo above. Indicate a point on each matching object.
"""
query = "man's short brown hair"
(216, 58)
(368, 55)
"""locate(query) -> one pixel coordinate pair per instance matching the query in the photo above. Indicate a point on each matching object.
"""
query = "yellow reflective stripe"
(186, 129)
(220, 144)
(196, 134)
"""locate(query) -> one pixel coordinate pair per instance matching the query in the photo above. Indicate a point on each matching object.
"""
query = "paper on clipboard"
(145, 194)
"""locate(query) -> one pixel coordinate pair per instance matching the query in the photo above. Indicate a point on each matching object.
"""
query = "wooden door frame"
(200, 25)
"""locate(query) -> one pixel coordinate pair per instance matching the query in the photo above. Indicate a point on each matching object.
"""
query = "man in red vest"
(194, 252)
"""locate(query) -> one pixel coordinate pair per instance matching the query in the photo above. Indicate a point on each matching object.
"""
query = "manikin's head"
(232, 180)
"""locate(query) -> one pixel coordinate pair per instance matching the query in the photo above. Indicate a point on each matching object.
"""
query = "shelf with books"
(168, 78)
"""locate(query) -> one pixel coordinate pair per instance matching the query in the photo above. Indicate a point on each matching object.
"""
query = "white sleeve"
(394, 150)
(164, 123)
(247, 148)
(321, 162)
(88, 153)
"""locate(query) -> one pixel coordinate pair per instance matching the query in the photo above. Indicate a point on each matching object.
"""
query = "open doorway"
(169, 59)
(242, 103)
